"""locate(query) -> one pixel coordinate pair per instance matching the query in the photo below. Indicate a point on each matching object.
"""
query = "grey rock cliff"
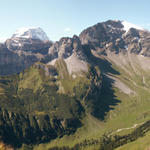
(11, 62)
(65, 47)
(28, 45)
(111, 36)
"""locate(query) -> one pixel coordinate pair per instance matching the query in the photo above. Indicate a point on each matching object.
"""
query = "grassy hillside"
(141, 144)
(116, 109)
(97, 99)
(48, 99)
(35, 93)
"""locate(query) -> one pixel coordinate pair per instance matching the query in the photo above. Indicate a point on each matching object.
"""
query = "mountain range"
(86, 92)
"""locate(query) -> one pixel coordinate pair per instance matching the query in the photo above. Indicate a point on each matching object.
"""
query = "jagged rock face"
(66, 47)
(11, 62)
(61, 49)
(31, 33)
(137, 42)
(28, 45)
(102, 33)
(111, 36)
(114, 36)
(22, 50)
(71, 51)
(32, 40)
(144, 42)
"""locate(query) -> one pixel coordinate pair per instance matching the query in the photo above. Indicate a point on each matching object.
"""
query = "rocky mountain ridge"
(113, 36)
(72, 79)
(71, 51)
(32, 40)
(31, 33)
(110, 36)
(22, 50)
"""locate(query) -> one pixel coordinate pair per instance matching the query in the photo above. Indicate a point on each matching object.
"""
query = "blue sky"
(61, 18)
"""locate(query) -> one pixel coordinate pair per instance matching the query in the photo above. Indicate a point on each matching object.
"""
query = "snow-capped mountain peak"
(2, 40)
(128, 26)
(31, 33)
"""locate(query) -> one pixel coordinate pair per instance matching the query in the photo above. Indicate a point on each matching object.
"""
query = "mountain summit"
(128, 26)
(98, 81)
(31, 33)
(32, 40)
(25, 47)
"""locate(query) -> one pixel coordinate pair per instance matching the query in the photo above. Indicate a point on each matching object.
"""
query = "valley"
(88, 92)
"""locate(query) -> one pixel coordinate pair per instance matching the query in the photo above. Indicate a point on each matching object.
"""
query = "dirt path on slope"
(122, 129)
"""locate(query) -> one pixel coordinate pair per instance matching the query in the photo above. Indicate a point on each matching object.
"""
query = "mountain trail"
(122, 129)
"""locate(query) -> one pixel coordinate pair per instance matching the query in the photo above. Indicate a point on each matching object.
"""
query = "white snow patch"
(33, 33)
(126, 47)
(15, 41)
(110, 26)
(107, 45)
(20, 44)
(2, 40)
(128, 26)
(136, 38)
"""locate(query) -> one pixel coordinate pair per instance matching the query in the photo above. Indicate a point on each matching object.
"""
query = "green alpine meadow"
(75, 75)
